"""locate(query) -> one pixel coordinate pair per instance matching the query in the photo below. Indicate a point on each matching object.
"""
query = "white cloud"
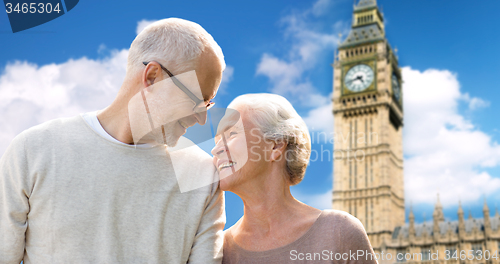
(320, 7)
(141, 25)
(102, 48)
(444, 152)
(56, 90)
(320, 119)
(288, 75)
(317, 200)
(284, 76)
(227, 77)
(308, 43)
(475, 102)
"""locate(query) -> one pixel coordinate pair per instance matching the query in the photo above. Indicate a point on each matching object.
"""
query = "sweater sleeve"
(208, 243)
(14, 204)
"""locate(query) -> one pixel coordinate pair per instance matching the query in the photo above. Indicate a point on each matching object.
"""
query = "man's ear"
(150, 75)
(278, 150)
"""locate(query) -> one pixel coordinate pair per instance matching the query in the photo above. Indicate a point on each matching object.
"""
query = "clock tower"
(368, 179)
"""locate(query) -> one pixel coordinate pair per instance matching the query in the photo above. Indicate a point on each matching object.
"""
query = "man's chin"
(172, 138)
(172, 143)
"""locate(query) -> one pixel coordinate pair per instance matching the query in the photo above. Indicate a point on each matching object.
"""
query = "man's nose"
(201, 117)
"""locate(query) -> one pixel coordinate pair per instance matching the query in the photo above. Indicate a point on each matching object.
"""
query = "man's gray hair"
(278, 121)
(175, 43)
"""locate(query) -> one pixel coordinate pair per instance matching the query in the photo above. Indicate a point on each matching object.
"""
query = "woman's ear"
(150, 74)
(278, 150)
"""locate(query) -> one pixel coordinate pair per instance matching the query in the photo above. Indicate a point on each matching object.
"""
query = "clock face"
(358, 78)
(395, 87)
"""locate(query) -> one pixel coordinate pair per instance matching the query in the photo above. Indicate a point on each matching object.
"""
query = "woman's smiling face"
(240, 149)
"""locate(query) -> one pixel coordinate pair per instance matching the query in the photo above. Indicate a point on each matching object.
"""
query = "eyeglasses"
(199, 105)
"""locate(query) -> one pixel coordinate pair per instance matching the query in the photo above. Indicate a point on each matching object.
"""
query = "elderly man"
(98, 188)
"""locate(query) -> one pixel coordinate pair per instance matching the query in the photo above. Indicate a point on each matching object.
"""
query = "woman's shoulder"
(337, 215)
(341, 221)
(349, 233)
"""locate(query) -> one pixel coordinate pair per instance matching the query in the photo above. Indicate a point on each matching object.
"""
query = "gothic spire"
(411, 216)
(364, 4)
(486, 217)
(367, 24)
(485, 207)
(438, 203)
(438, 211)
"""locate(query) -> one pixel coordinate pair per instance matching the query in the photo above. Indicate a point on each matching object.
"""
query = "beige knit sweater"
(68, 195)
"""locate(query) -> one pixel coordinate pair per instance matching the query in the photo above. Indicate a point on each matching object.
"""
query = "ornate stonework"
(368, 164)
(368, 155)
(450, 240)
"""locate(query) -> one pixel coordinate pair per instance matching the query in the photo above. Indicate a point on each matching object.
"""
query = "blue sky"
(287, 47)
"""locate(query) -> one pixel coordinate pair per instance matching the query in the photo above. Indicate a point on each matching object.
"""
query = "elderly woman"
(260, 153)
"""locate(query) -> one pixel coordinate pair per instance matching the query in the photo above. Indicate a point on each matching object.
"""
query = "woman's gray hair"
(175, 43)
(278, 121)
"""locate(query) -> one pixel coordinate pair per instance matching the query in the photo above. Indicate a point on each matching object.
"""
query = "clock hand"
(352, 80)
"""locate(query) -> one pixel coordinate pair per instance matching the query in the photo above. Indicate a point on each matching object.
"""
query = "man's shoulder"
(52, 127)
(192, 165)
(186, 149)
(40, 136)
(51, 133)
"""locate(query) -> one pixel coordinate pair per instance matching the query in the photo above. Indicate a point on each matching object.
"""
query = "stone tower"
(368, 112)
